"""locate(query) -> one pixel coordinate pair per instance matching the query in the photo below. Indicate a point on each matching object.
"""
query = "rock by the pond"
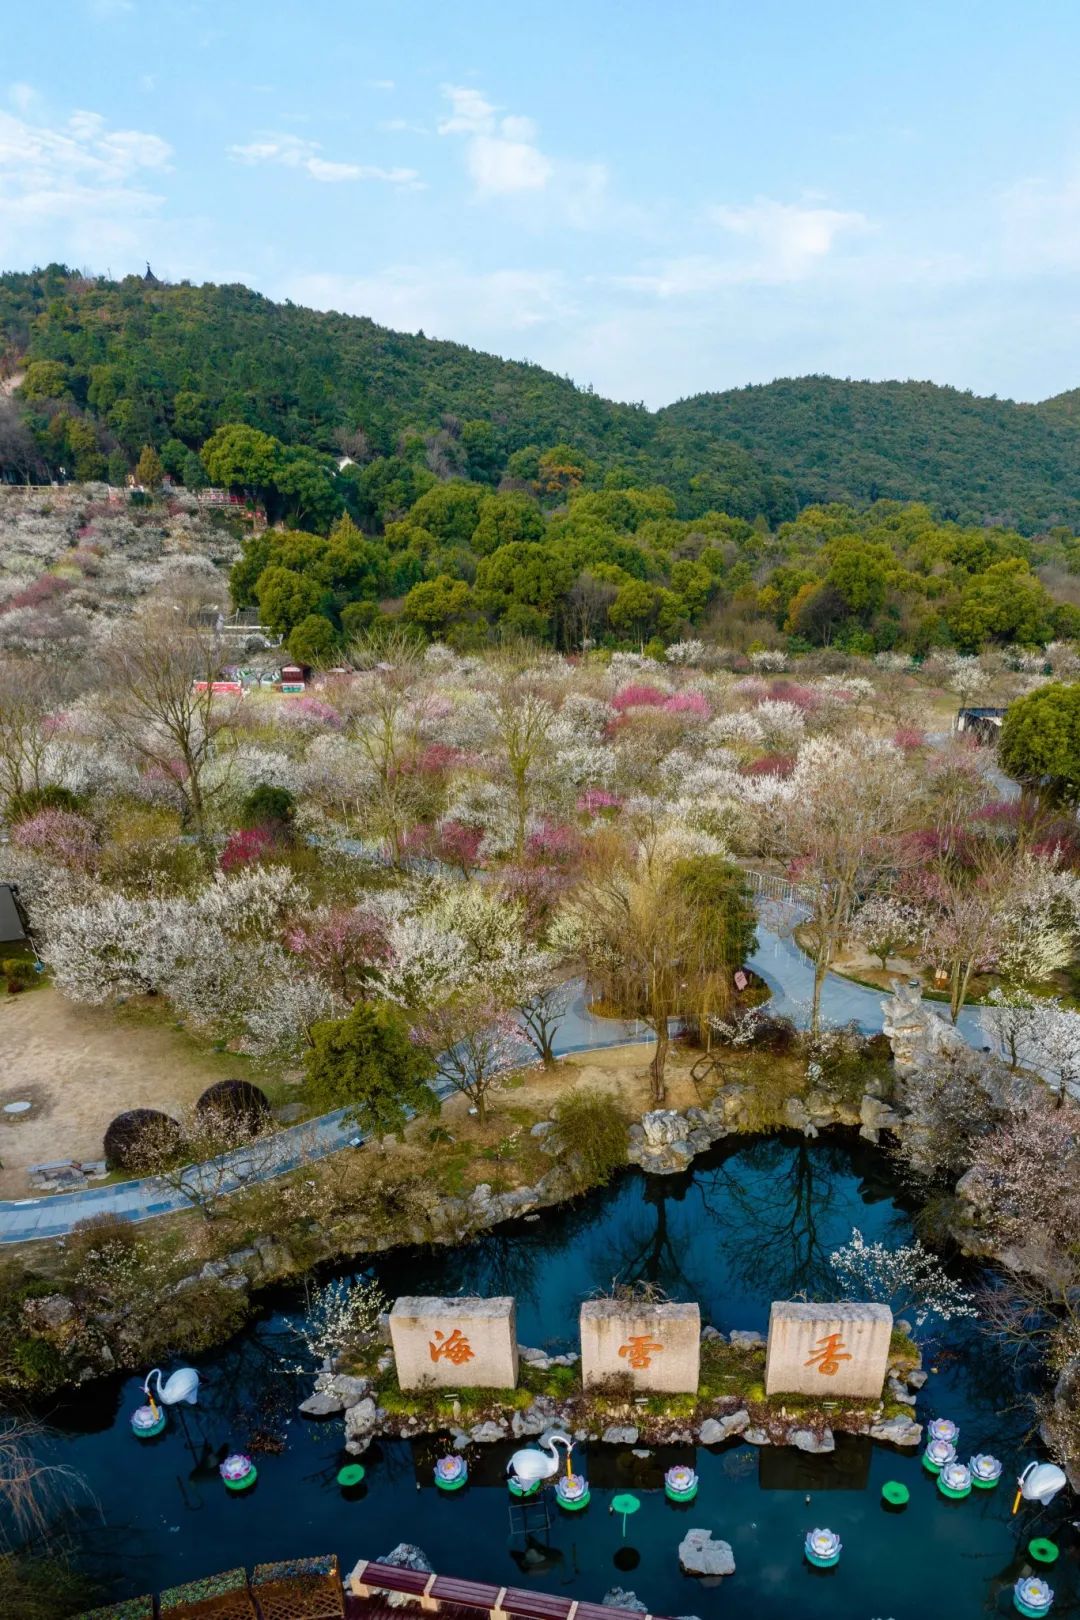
(898, 1431)
(321, 1405)
(531, 1421)
(809, 1440)
(757, 1437)
(714, 1431)
(699, 1554)
(485, 1434)
(361, 1419)
(709, 1332)
(405, 1556)
(917, 1378)
(746, 1338)
(620, 1597)
(619, 1436)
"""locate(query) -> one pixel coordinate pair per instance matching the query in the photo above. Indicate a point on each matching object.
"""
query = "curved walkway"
(779, 961)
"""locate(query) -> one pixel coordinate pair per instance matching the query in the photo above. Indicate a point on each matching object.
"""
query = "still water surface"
(754, 1221)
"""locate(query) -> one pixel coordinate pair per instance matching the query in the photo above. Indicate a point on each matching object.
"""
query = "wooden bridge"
(311, 1589)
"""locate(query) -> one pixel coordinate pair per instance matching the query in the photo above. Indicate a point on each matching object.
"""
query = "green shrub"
(591, 1131)
(38, 1364)
(18, 970)
(21, 806)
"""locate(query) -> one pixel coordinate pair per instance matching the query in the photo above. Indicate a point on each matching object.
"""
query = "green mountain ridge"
(137, 362)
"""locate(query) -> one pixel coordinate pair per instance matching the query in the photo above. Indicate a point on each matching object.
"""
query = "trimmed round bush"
(238, 1101)
(135, 1139)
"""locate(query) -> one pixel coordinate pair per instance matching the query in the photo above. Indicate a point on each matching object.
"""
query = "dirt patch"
(81, 1066)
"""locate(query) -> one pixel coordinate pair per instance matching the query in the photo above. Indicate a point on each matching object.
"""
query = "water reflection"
(756, 1220)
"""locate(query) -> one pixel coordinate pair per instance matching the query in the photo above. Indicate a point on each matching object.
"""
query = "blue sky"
(655, 199)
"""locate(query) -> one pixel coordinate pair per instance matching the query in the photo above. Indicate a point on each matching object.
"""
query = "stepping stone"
(17, 1107)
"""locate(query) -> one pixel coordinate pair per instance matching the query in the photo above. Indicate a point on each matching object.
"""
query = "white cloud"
(292, 152)
(790, 237)
(1040, 225)
(498, 167)
(397, 126)
(22, 96)
(501, 154)
(79, 188)
(490, 309)
(771, 243)
(381, 84)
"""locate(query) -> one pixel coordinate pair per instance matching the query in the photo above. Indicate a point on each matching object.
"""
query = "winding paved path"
(778, 960)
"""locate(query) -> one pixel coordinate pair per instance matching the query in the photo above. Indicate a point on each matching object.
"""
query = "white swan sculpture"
(540, 1461)
(183, 1385)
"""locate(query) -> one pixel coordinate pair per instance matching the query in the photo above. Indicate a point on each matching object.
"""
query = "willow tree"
(660, 938)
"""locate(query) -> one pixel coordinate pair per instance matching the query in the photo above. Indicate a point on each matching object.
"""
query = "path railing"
(369, 1581)
(769, 886)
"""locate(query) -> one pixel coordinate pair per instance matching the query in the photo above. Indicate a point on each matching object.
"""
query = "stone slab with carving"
(658, 1345)
(827, 1350)
(456, 1343)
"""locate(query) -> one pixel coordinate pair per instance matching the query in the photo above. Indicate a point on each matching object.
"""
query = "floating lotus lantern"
(1032, 1596)
(572, 1492)
(944, 1429)
(451, 1472)
(955, 1481)
(938, 1454)
(522, 1487)
(985, 1470)
(238, 1472)
(146, 1421)
(680, 1484)
(822, 1548)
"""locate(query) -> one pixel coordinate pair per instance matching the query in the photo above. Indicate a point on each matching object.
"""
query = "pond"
(754, 1221)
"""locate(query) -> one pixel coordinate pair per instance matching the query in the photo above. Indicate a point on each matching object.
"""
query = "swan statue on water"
(541, 1461)
(183, 1385)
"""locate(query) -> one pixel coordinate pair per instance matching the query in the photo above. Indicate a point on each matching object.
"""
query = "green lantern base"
(244, 1484)
(1043, 1551)
(574, 1506)
(1025, 1609)
(681, 1496)
(351, 1474)
(930, 1465)
(148, 1434)
(819, 1562)
(895, 1494)
(953, 1495)
(985, 1484)
(519, 1490)
(451, 1484)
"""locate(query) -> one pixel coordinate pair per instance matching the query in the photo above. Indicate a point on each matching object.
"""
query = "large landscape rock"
(812, 1441)
(699, 1554)
(621, 1597)
(898, 1431)
(619, 1436)
(714, 1431)
(917, 1035)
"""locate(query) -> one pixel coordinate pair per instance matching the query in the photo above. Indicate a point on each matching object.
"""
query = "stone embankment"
(713, 1423)
(665, 1142)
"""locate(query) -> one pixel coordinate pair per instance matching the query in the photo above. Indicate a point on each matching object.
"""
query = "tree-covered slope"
(110, 367)
(971, 459)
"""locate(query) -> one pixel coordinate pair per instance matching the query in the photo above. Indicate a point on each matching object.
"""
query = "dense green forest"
(477, 498)
(976, 460)
(112, 366)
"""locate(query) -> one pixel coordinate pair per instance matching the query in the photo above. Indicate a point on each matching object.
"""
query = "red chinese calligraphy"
(456, 1349)
(640, 1351)
(829, 1352)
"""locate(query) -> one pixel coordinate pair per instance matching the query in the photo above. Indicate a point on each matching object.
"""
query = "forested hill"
(109, 367)
(971, 459)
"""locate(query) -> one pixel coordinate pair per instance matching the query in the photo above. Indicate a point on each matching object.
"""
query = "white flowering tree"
(909, 1279)
(339, 1319)
(885, 924)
